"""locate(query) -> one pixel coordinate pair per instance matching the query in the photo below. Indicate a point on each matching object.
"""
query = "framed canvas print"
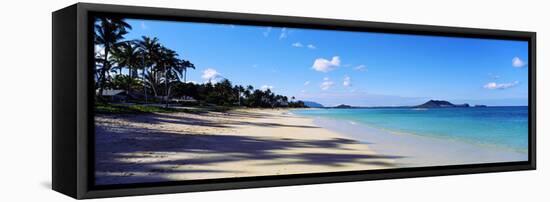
(155, 100)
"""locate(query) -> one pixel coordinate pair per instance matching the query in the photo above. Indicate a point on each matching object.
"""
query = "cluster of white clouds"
(327, 65)
(324, 65)
(210, 75)
(326, 84)
(494, 85)
(518, 63)
(300, 45)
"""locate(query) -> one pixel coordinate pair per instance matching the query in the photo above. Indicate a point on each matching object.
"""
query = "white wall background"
(25, 102)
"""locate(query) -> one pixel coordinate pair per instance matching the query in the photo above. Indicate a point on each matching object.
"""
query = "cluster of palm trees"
(160, 66)
(151, 67)
(223, 93)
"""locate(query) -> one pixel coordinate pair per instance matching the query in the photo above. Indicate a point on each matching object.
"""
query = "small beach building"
(114, 95)
(183, 99)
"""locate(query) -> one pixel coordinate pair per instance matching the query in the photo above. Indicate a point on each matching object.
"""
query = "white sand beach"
(241, 143)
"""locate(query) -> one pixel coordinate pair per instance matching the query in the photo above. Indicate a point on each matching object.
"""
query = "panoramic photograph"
(179, 101)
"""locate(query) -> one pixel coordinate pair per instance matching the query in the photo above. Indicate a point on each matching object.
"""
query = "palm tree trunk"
(166, 87)
(144, 83)
(168, 94)
(102, 77)
(130, 79)
(185, 75)
(154, 83)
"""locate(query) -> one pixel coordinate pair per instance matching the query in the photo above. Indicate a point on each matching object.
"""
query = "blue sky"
(356, 68)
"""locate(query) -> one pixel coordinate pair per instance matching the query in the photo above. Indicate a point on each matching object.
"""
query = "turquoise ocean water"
(501, 127)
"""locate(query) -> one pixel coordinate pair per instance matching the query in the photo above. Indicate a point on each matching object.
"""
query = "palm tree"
(185, 64)
(109, 32)
(172, 67)
(239, 90)
(148, 50)
(127, 55)
(248, 94)
(168, 61)
(178, 69)
(152, 79)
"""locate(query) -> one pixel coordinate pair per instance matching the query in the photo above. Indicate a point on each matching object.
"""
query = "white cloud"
(360, 68)
(347, 81)
(210, 74)
(517, 62)
(324, 65)
(265, 87)
(494, 85)
(283, 34)
(298, 45)
(267, 31)
(306, 83)
(327, 83)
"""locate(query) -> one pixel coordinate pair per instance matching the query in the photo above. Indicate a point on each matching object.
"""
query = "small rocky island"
(343, 106)
(440, 104)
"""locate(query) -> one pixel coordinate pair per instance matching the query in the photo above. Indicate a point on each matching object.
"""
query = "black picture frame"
(72, 98)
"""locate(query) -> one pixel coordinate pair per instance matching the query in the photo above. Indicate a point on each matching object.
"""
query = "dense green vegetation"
(114, 108)
(150, 72)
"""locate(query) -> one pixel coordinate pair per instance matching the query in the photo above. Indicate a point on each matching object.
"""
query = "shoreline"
(427, 151)
(240, 143)
(159, 147)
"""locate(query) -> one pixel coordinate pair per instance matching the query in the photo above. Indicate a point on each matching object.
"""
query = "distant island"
(312, 104)
(343, 106)
(428, 104)
(440, 104)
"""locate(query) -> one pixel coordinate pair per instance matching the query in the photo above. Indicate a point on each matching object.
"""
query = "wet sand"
(421, 151)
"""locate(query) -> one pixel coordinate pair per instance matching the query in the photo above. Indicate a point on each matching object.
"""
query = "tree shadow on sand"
(172, 119)
(119, 150)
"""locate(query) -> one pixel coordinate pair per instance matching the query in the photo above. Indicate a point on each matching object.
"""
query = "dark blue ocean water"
(505, 127)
